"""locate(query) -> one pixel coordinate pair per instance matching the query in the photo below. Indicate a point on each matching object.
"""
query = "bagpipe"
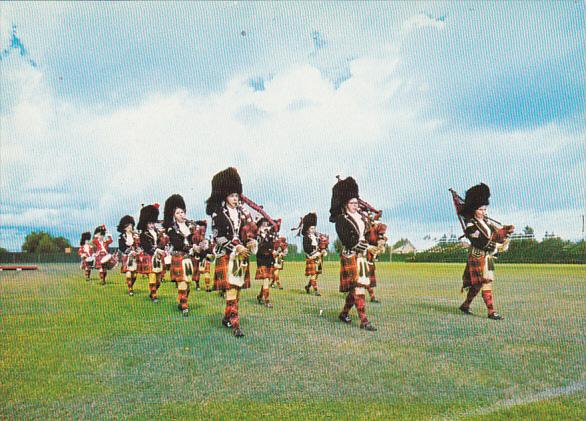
(250, 230)
(500, 236)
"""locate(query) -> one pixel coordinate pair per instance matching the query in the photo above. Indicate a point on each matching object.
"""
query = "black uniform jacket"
(122, 246)
(264, 255)
(223, 230)
(147, 242)
(178, 240)
(349, 234)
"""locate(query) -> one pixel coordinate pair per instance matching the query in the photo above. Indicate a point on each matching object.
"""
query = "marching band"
(241, 228)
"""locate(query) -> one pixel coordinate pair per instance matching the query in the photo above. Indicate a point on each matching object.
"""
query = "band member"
(128, 245)
(204, 258)
(265, 259)
(487, 237)
(352, 228)
(150, 260)
(313, 254)
(86, 253)
(280, 254)
(104, 260)
(233, 233)
(179, 230)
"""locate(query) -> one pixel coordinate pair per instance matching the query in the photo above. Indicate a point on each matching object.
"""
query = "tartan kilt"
(195, 262)
(221, 274)
(145, 264)
(178, 272)
(264, 272)
(474, 272)
(348, 273)
(110, 264)
(311, 267)
(129, 263)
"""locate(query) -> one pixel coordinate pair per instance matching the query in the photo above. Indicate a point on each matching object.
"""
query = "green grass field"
(75, 349)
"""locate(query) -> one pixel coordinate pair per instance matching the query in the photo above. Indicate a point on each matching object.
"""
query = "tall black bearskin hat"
(124, 222)
(100, 230)
(171, 204)
(309, 220)
(86, 236)
(148, 214)
(342, 192)
(476, 196)
(224, 184)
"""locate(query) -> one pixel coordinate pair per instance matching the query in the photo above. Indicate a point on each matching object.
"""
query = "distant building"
(522, 236)
(406, 248)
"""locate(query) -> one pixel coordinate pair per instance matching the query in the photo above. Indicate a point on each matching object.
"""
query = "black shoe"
(185, 312)
(374, 300)
(346, 319)
(238, 333)
(495, 316)
(280, 287)
(269, 305)
(226, 323)
(131, 293)
(368, 326)
(317, 294)
(465, 310)
(307, 289)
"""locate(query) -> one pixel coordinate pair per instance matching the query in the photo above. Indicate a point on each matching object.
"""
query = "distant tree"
(3, 250)
(528, 230)
(43, 242)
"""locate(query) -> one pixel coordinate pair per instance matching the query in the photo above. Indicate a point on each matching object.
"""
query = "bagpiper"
(313, 253)
(179, 230)
(487, 237)
(234, 242)
(352, 228)
(265, 259)
(281, 249)
(104, 260)
(86, 253)
(150, 260)
(128, 245)
(202, 259)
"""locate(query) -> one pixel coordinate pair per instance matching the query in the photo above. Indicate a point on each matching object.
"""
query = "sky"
(106, 106)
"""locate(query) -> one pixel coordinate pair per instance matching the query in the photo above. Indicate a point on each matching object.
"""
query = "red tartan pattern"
(195, 275)
(145, 264)
(264, 272)
(352, 299)
(311, 267)
(221, 273)
(108, 265)
(231, 313)
(348, 273)
(473, 274)
(177, 272)
(487, 297)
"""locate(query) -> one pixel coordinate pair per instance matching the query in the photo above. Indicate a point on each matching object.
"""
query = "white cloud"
(70, 168)
(423, 20)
